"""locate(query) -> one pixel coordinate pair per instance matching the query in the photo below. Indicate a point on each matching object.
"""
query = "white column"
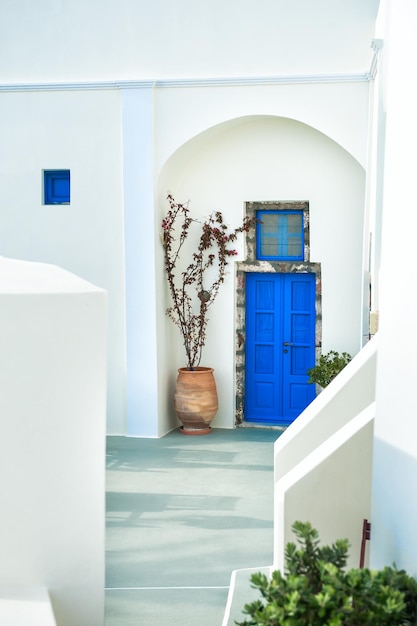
(138, 180)
(394, 502)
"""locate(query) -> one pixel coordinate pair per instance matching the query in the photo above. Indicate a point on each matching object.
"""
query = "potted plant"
(328, 367)
(193, 286)
(316, 589)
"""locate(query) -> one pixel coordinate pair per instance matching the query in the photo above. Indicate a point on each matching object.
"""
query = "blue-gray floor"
(183, 513)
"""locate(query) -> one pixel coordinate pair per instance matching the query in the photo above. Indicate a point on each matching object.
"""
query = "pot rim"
(197, 370)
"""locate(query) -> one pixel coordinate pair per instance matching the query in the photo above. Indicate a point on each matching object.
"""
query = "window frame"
(49, 178)
(300, 236)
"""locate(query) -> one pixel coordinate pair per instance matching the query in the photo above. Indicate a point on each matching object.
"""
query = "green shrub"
(328, 367)
(317, 591)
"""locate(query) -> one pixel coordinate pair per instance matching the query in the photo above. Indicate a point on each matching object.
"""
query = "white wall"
(337, 109)
(55, 40)
(349, 394)
(394, 505)
(265, 158)
(323, 462)
(330, 488)
(112, 151)
(139, 221)
(52, 447)
(85, 128)
(79, 131)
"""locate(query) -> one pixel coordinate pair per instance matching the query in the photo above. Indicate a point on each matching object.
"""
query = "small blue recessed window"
(56, 186)
(280, 235)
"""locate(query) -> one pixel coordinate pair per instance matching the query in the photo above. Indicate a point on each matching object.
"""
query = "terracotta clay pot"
(196, 400)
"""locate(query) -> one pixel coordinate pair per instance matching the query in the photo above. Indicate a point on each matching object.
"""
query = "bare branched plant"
(194, 289)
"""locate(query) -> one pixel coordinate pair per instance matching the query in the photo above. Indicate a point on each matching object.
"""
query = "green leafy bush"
(328, 367)
(317, 591)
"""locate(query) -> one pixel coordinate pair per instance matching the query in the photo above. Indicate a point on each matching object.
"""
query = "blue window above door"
(56, 186)
(280, 235)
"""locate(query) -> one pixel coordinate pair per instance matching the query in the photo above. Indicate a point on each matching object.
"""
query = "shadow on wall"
(394, 488)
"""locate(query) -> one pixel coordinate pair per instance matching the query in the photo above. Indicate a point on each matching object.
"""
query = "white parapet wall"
(348, 394)
(52, 448)
(323, 470)
(323, 462)
(28, 606)
(330, 488)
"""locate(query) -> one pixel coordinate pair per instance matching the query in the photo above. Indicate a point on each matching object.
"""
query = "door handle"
(287, 343)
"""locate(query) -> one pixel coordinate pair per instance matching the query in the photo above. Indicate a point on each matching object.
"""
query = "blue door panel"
(300, 328)
(299, 360)
(280, 346)
(264, 393)
(299, 397)
(264, 359)
(265, 293)
(264, 327)
(300, 296)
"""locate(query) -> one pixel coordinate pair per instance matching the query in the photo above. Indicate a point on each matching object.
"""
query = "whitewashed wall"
(52, 447)
(117, 161)
(394, 505)
(265, 158)
(323, 462)
(336, 108)
(77, 40)
(79, 131)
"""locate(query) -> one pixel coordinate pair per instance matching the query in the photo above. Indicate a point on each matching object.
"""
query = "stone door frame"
(251, 264)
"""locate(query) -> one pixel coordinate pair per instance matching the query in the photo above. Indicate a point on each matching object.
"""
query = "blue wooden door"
(280, 346)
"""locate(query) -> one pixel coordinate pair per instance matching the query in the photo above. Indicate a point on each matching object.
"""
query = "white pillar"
(394, 501)
(138, 181)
